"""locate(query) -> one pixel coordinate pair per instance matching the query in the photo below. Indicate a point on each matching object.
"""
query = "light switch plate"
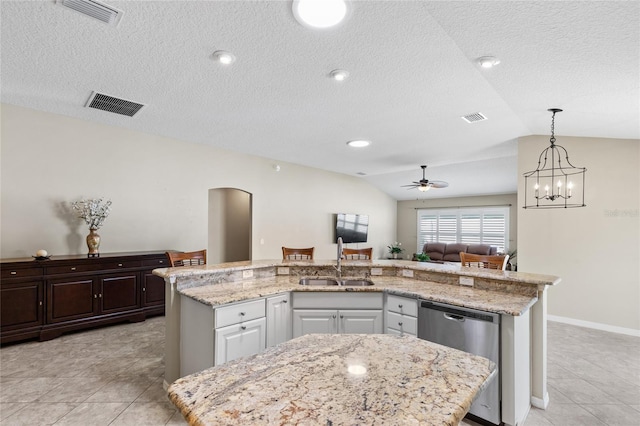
(283, 270)
(407, 273)
(466, 281)
(376, 271)
(248, 273)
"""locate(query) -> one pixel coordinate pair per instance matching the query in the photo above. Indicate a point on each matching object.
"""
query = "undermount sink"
(318, 281)
(355, 282)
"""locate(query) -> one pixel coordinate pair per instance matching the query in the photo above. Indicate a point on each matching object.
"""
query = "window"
(481, 225)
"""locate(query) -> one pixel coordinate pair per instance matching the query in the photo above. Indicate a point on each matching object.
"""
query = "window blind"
(485, 225)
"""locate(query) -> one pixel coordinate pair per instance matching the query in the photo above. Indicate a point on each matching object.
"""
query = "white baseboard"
(595, 325)
(540, 403)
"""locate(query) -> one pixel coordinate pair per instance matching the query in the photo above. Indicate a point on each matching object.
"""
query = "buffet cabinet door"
(118, 293)
(71, 299)
(152, 290)
(21, 305)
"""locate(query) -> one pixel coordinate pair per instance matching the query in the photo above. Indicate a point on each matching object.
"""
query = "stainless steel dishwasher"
(470, 330)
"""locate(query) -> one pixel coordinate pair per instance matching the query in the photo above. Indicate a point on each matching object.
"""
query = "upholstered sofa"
(450, 252)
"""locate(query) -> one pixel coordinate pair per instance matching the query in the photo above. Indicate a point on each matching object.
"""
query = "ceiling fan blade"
(410, 186)
(438, 184)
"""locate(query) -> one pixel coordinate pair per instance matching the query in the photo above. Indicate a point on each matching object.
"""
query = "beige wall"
(594, 249)
(49, 160)
(407, 215)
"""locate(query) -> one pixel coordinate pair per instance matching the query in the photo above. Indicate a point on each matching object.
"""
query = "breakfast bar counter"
(337, 379)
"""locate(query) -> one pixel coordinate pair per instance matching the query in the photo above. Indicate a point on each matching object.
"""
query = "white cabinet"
(309, 321)
(212, 336)
(238, 340)
(322, 312)
(278, 319)
(401, 315)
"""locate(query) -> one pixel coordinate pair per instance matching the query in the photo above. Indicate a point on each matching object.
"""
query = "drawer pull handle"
(144, 289)
(41, 303)
(243, 327)
(160, 261)
(341, 316)
(242, 314)
(14, 273)
(400, 306)
(100, 295)
(400, 324)
(95, 296)
(73, 268)
(284, 301)
(120, 264)
(334, 317)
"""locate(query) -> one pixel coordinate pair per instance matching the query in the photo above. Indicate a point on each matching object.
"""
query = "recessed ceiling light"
(339, 75)
(224, 57)
(319, 13)
(360, 143)
(488, 61)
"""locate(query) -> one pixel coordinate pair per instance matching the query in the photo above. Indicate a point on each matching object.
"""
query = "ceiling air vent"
(94, 9)
(114, 105)
(475, 117)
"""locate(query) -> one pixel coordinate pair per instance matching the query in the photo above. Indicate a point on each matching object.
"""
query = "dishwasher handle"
(454, 311)
(453, 317)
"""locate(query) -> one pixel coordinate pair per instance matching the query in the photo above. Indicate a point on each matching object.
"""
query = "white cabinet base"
(238, 340)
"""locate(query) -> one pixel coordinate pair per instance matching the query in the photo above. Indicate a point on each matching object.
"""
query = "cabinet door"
(20, 305)
(71, 299)
(278, 319)
(308, 321)
(360, 322)
(152, 290)
(118, 292)
(238, 340)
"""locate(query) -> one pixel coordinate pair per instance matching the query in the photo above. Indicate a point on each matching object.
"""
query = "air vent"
(114, 105)
(475, 117)
(94, 9)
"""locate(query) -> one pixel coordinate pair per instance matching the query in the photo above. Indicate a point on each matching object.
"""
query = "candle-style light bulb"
(546, 190)
(536, 186)
(569, 187)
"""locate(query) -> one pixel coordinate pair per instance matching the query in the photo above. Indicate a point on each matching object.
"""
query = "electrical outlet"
(248, 273)
(376, 271)
(407, 273)
(283, 270)
(466, 281)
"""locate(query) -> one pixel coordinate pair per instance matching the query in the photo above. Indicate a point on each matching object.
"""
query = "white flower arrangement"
(93, 211)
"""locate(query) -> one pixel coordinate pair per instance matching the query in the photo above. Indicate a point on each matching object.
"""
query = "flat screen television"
(353, 228)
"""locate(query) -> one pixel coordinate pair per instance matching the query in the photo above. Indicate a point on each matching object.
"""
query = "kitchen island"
(519, 298)
(337, 379)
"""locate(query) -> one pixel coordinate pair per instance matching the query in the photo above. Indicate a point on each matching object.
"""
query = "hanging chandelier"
(555, 182)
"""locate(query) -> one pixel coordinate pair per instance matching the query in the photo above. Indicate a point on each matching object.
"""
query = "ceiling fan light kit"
(319, 13)
(425, 184)
(555, 180)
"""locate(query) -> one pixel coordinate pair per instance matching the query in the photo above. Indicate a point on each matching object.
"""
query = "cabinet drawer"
(234, 314)
(72, 268)
(402, 305)
(8, 272)
(159, 263)
(404, 323)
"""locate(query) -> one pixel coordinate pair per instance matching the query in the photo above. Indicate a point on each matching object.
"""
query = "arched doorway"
(230, 215)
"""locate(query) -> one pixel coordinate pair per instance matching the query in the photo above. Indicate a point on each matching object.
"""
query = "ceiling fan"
(425, 184)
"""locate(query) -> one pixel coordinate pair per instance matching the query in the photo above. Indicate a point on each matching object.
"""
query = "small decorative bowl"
(41, 257)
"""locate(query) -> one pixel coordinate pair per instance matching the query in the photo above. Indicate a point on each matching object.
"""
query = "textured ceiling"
(412, 76)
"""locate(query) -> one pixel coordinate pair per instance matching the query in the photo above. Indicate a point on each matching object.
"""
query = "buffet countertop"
(337, 379)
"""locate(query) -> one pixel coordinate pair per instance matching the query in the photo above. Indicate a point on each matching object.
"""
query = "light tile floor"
(113, 376)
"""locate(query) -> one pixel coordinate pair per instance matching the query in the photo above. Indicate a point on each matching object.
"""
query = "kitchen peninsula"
(519, 298)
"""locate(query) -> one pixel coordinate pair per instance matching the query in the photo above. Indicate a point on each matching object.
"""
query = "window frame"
(464, 232)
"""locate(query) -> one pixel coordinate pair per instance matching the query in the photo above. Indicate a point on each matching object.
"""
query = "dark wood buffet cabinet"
(43, 299)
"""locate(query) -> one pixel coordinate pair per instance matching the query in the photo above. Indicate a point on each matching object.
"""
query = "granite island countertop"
(486, 300)
(344, 379)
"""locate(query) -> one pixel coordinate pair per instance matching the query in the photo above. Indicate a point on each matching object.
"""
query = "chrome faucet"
(338, 266)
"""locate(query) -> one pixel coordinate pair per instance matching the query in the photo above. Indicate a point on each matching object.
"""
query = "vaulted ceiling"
(413, 75)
